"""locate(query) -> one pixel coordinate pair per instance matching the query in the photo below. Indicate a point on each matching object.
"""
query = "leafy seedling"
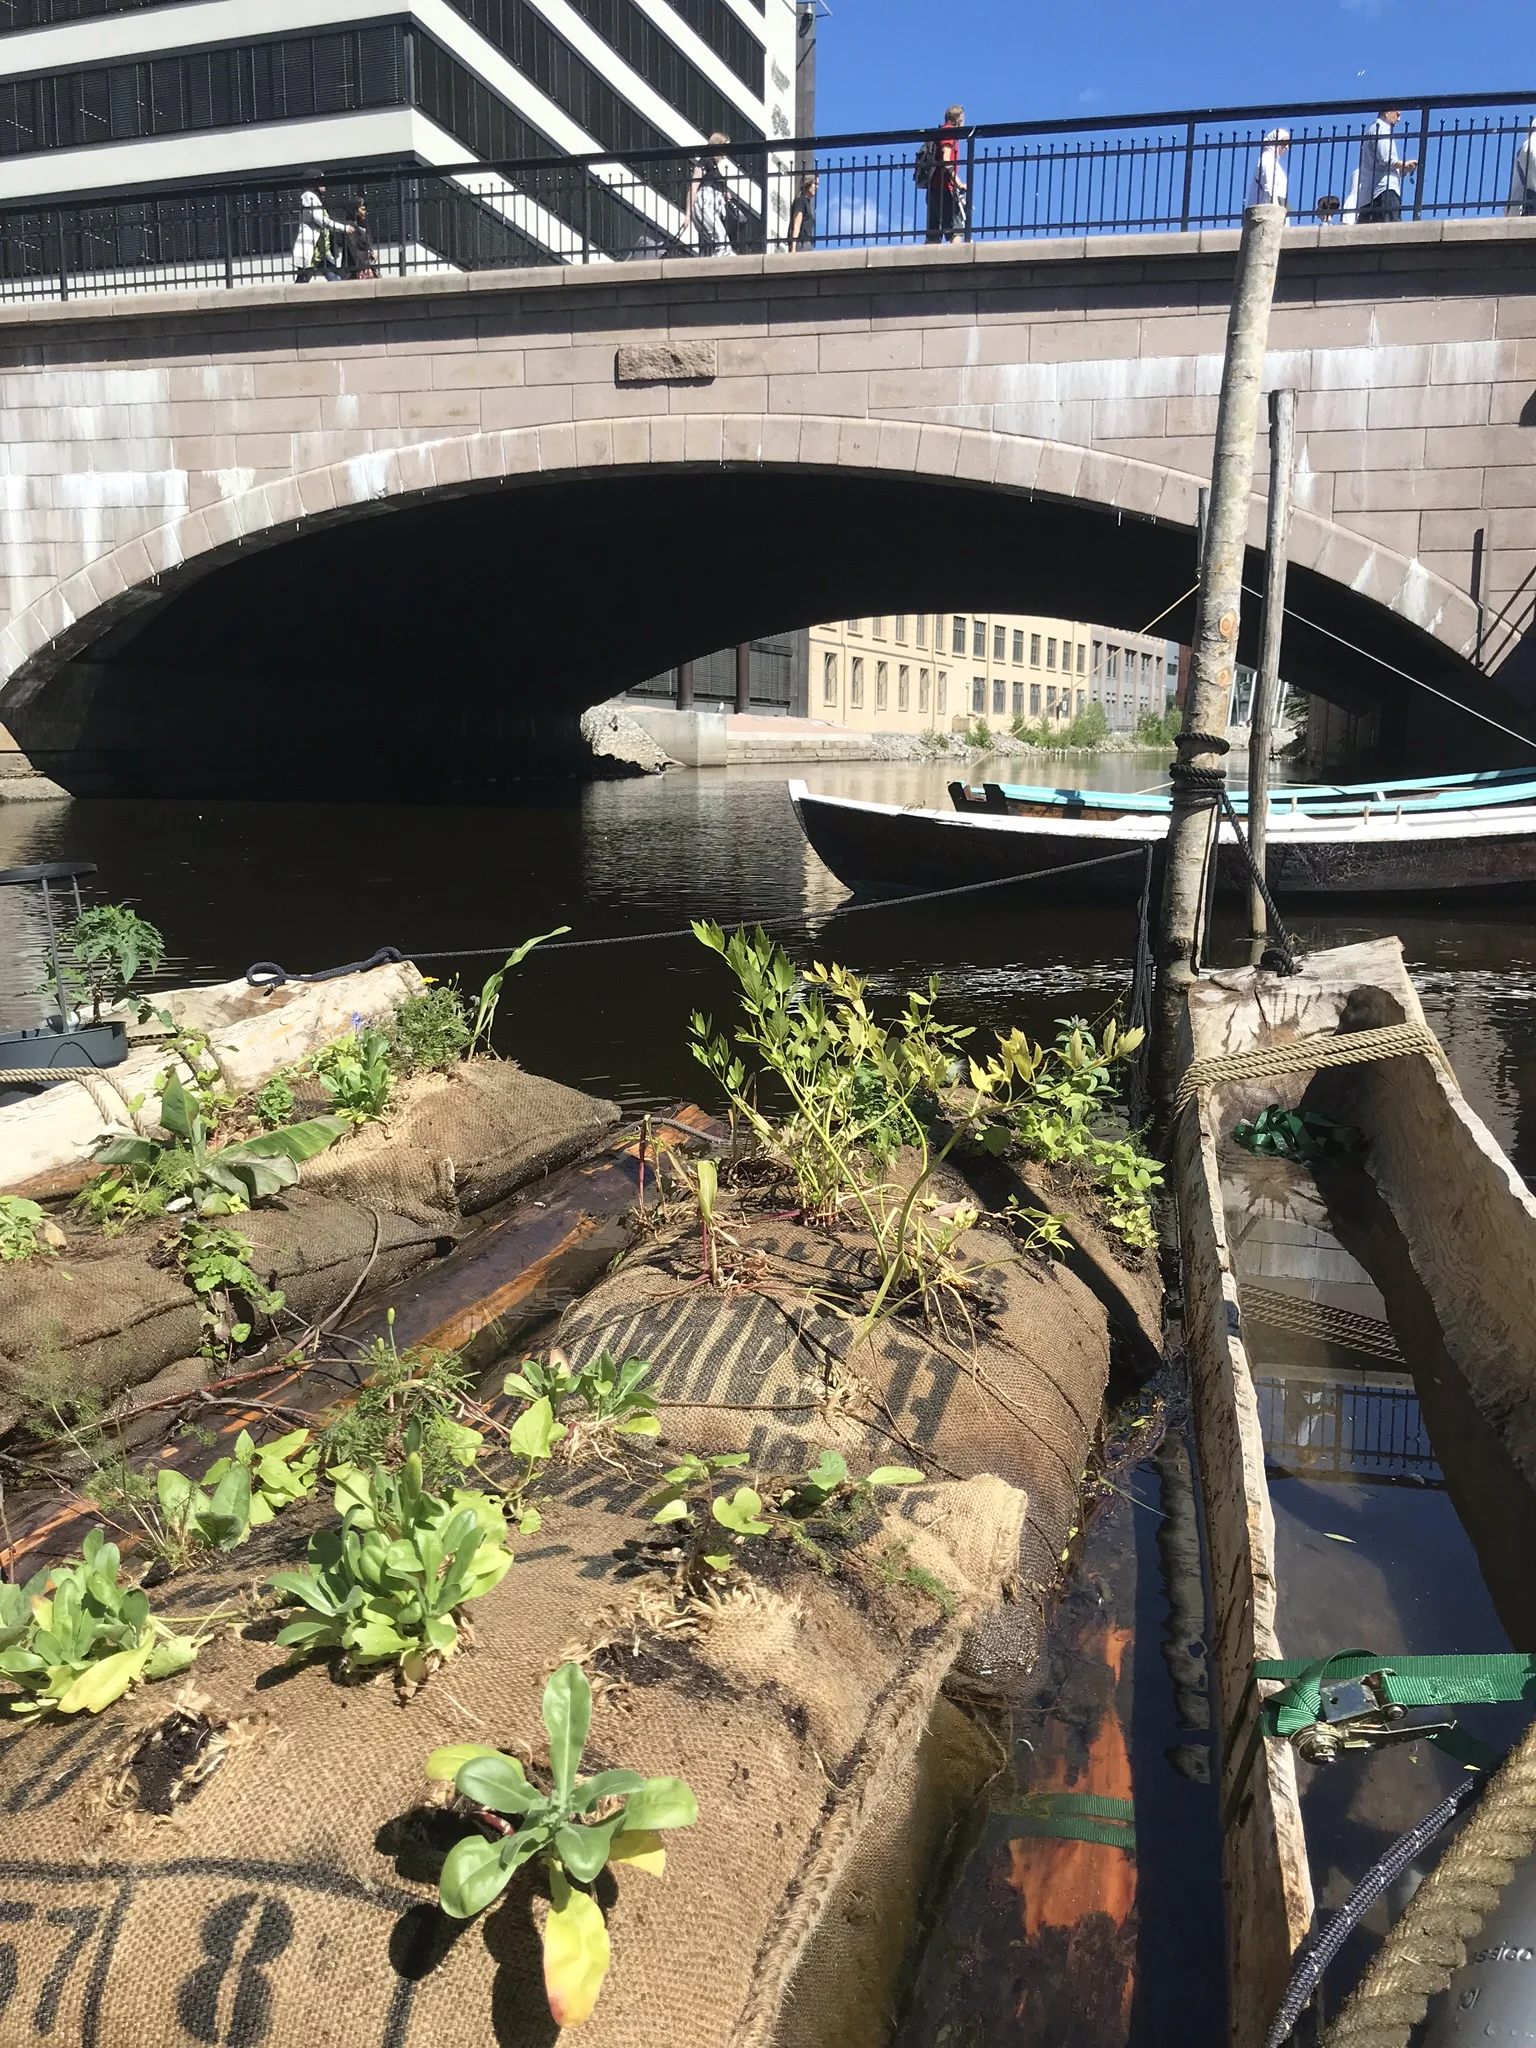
(72, 1640)
(575, 1830)
(25, 1231)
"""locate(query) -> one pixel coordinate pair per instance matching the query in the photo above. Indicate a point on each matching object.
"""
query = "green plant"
(1159, 729)
(147, 1174)
(893, 1566)
(193, 1519)
(25, 1231)
(388, 1585)
(980, 735)
(1090, 728)
(490, 990)
(217, 1264)
(858, 1091)
(273, 1103)
(1052, 1099)
(73, 1640)
(614, 1396)
(355, 1074)
(429, 1031)
(576, 1828)
(103, 952)
(410, 1401)
(687, 1495)
(281, 1473)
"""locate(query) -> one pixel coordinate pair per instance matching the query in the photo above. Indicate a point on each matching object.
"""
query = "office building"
(943, 671)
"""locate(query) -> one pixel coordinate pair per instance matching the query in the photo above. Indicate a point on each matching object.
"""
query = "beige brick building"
(944, 670)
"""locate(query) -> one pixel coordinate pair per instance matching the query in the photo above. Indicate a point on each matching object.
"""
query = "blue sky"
(896, 63)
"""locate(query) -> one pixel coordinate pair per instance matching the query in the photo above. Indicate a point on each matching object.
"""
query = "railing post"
(1418, 181)
(229, 246)
(970, 184)
(586, 216)
(63, 261)
(400, 203)
(1189, 175)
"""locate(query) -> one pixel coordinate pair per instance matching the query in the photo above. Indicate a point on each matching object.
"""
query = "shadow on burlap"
(290, 1900)
(781, 1366)
(110, 1313)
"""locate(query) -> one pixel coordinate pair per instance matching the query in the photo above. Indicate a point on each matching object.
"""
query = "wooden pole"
(1266, 686)
(1198, 771)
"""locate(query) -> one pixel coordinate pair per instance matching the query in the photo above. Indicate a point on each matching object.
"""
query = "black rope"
(267, 973)
(1282, 946)
(769, 924)
(1329, 1935)
(1140, 1011)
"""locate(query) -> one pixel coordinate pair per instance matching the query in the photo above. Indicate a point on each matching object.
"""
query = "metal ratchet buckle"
(1355, 1713)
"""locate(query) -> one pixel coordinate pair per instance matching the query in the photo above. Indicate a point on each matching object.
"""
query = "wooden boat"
(1440, 793)
(1464, 1228)
(1483, 851)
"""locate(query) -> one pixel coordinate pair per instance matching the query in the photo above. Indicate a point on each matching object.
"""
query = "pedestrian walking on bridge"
(1269, 183)
(1379, 182)
(938, 167)
(1522, 179)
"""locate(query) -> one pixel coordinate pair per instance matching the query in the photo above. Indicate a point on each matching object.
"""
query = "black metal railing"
(1141, 174)
(1345, 1428)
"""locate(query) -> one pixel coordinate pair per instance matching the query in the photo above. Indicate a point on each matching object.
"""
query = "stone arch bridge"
(400, 534)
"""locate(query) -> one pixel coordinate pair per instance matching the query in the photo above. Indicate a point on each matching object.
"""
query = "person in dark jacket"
(802, 215)
(358, 258)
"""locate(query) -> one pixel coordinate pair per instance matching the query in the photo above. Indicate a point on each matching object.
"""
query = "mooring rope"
(1301, 1055)
(1425, 1948)
(108, 1097)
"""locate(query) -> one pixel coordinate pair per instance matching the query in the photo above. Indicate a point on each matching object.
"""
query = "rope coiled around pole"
(108, 1097)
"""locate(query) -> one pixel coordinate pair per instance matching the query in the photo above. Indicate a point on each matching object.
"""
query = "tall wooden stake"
(1198, 770)
(1266, 687)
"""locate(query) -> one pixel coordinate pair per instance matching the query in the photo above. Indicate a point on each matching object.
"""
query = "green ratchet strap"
(1455, 1681)
(1071, 1817)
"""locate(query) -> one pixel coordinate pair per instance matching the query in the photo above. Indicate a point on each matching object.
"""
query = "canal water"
(313, 886)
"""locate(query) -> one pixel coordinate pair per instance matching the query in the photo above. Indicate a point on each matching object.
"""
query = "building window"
(999, 643)
(856, 683)
(1034, 650)
(942, 702)
(957, 635)
(1018, 643)
(979, 695)
(877, 628)
(1034, 700)
(1082, 698)
(901, 628)
(1082, 656)
(999, 697)
(1050, 700)
(829, 679)
(924, 689)
(922, 630)
(978, 639)
(1098, 657)
(855, 625)
(882, 684)
(1050, 653)
(1146, 669)
(1111, 663)
(1018, 700)
(903, 688)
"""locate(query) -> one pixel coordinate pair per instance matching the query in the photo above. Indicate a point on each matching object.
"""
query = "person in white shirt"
(317, 246)
(1267, 186)
(1522, 178)
(1379, 186)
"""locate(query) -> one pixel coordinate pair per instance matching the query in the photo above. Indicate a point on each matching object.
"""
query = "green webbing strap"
(1456, 1681)
(1072, 1817)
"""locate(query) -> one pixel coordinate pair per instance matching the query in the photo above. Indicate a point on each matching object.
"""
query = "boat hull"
(883, 847)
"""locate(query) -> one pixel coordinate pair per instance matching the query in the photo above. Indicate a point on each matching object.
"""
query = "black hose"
(267, 973)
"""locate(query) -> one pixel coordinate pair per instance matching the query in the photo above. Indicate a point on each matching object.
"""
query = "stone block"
(450, 464)
(456, 409)
(977, 459)
(1431, 320)
(1396, 530)
(733, 394)
(845, 392)
(525, 406)
(1434, 405)
(1464, 447)
(767, 355)
(487, 458)
(666, 362)
(386, 373)
(594, 444)
(631, 443)
(900, 445)
(703, 437)
(1057, 341)
(306, 377)
(557, 447)
(1514, 485)
(890, 349)
(478, 370)
(667, 438)
(1331, 412)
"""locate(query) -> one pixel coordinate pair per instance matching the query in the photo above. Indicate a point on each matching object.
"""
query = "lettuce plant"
(72, 1640)
(575, 1829)
(388, 1585)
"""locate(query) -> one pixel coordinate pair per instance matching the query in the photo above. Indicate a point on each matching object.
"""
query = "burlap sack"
(110, 1313)
(458, 1142)
(289, 1900)
(780, 1366)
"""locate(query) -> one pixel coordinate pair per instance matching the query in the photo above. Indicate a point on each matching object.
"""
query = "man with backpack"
(938, 168)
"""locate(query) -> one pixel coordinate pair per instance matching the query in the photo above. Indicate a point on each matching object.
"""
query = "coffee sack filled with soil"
(782, 1357)
(288, 1896)
(109, 1312)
